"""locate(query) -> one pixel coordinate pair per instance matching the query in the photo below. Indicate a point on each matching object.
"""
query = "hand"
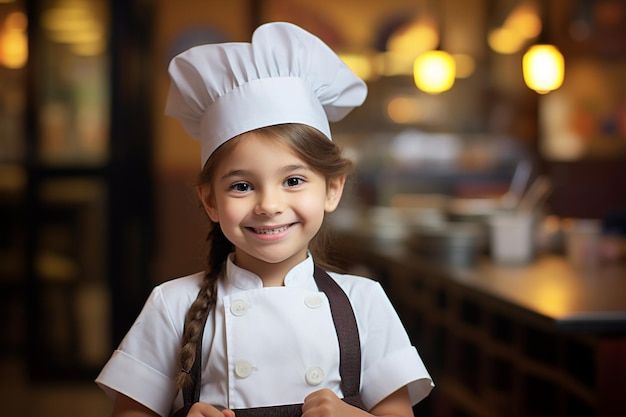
(206, 410)
(325, 403)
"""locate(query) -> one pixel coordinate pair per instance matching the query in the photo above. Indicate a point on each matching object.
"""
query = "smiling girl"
(265, 330)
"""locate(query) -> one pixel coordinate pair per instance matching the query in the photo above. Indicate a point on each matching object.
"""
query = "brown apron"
(349, 360)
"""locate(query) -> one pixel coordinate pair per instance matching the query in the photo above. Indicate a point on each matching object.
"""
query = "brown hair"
(323, 156)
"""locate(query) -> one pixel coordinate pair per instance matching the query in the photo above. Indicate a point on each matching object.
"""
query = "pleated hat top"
(284, 75)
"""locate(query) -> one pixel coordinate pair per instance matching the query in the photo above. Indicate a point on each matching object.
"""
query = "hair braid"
(220, 247)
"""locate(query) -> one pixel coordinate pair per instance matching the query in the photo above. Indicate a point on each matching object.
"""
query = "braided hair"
(322, 156)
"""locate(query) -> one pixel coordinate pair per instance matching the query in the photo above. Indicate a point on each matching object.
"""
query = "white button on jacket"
(314, 375)
(313, 301)
(243, 369)
(239, 308)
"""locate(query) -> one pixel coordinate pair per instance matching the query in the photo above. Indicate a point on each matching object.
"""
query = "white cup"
(512, 237)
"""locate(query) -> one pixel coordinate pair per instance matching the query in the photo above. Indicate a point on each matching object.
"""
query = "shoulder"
(178, 294)
(353, 281)
(182, 285)
(358, 287)
(368, 298)
(165, 309)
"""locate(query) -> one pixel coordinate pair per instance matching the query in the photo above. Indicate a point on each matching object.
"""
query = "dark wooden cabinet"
(518, 341)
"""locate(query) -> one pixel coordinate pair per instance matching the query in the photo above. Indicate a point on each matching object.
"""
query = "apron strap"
(349, 351)
(347, 334)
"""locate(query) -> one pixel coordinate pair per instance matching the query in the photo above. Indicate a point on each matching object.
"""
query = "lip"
(270, 233)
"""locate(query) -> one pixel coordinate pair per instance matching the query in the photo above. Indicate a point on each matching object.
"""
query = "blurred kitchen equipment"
(453, 244)
(582, 241)
(536, 194)
(518, 185)
(421, 209)
(513, 237)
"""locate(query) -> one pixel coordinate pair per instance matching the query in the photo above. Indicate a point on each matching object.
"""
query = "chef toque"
(285, 75)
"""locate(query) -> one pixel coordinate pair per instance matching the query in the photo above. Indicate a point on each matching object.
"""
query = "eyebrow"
(284, 170)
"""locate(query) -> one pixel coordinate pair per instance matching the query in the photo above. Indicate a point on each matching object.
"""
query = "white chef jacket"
(263, 346)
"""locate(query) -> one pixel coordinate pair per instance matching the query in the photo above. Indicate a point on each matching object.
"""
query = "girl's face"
(269, 204)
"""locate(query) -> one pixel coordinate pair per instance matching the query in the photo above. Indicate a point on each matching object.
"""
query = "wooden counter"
(590, 299)
(546, 339)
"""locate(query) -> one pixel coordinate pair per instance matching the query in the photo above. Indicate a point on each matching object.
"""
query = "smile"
(265, 231)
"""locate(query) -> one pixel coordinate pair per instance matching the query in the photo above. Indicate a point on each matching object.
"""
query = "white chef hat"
(285, 75)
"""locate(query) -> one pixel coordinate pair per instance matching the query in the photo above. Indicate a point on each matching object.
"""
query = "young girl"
(265, 331)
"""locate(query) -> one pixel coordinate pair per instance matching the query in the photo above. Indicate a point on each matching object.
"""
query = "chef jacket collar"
(300, 276)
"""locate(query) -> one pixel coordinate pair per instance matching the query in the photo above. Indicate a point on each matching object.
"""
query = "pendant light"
(543, 65)
(434, 71)
(14, 41)
(543, 68)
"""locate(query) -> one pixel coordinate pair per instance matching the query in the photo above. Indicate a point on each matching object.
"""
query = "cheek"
(231, 212)
(312, 206)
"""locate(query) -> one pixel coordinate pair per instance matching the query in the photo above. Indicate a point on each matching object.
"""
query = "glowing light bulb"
(543, 68)
(433, 71)
(14, 47)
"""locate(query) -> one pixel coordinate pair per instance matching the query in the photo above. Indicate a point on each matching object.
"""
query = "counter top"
(588, 298)
(576, 298)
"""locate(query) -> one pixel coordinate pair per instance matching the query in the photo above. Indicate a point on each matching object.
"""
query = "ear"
(208, 202)
(334, 190)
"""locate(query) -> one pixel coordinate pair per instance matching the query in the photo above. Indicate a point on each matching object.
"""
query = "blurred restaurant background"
(97, 199)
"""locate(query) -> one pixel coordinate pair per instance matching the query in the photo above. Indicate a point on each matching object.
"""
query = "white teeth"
(270, 231)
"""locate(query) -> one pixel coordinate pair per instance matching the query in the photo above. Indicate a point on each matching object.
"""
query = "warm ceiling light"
(521, 25)
(505, 41)
(14, 41)
(14, 47)
(414, 38)
(433, 71)
(403, 110)
(543, 67)
(524, 20)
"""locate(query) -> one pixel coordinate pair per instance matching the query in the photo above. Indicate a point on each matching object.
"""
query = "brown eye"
(241, 187)
(293, 181)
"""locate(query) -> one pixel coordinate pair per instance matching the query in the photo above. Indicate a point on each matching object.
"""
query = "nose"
(270, 203)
